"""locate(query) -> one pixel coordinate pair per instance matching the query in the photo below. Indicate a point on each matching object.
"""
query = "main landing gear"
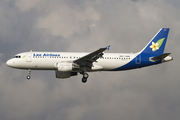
(29, 72)
(85, 76)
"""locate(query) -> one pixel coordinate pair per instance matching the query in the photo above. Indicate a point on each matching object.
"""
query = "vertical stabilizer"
(157, 44)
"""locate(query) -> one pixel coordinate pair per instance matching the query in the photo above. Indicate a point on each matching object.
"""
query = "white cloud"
(27, 5)
(66, 21)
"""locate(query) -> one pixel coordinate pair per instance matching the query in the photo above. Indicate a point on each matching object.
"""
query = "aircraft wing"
(88, 59)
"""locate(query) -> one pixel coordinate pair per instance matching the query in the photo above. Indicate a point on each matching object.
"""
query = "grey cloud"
(148, 93)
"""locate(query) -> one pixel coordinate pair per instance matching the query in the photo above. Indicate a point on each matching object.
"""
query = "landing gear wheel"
(85, 75)
(29, 72)
(28, 77)
(84, 80)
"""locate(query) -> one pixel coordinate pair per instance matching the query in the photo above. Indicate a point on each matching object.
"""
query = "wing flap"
(88, 59)
(92, 56)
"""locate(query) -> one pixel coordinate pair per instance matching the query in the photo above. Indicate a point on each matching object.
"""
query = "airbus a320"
(67, 64)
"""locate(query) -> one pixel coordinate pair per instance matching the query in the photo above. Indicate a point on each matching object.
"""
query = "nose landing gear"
(85, 76)
(29, 72)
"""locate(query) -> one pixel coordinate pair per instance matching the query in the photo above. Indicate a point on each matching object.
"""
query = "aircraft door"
(138, 59)
(28, 57)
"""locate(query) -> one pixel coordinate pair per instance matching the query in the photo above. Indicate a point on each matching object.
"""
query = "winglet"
(108, 47)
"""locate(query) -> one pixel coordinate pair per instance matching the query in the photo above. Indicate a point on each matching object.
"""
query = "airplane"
(67, 64)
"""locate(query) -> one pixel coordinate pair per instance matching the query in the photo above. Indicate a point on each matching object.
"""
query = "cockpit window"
(18, 56)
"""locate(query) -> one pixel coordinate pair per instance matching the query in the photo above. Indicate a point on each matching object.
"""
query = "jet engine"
(66, 67)
(65, 74)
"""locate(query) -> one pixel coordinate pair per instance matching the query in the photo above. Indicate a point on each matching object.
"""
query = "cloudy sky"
(85, 25)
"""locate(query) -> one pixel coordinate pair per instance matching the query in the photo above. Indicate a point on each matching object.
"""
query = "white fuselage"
(48, 60)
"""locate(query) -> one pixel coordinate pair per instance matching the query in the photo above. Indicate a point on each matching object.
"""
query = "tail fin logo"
(157, 45)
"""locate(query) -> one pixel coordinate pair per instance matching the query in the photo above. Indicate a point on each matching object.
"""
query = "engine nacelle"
(64, 67)
(65, 74)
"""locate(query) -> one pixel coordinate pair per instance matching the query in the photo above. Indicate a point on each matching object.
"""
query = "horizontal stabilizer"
(160, 57)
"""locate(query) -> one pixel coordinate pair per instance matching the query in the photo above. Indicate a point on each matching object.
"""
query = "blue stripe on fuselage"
(133, 63)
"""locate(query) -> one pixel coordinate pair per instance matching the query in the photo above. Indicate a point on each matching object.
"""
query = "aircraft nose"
(9, 63)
